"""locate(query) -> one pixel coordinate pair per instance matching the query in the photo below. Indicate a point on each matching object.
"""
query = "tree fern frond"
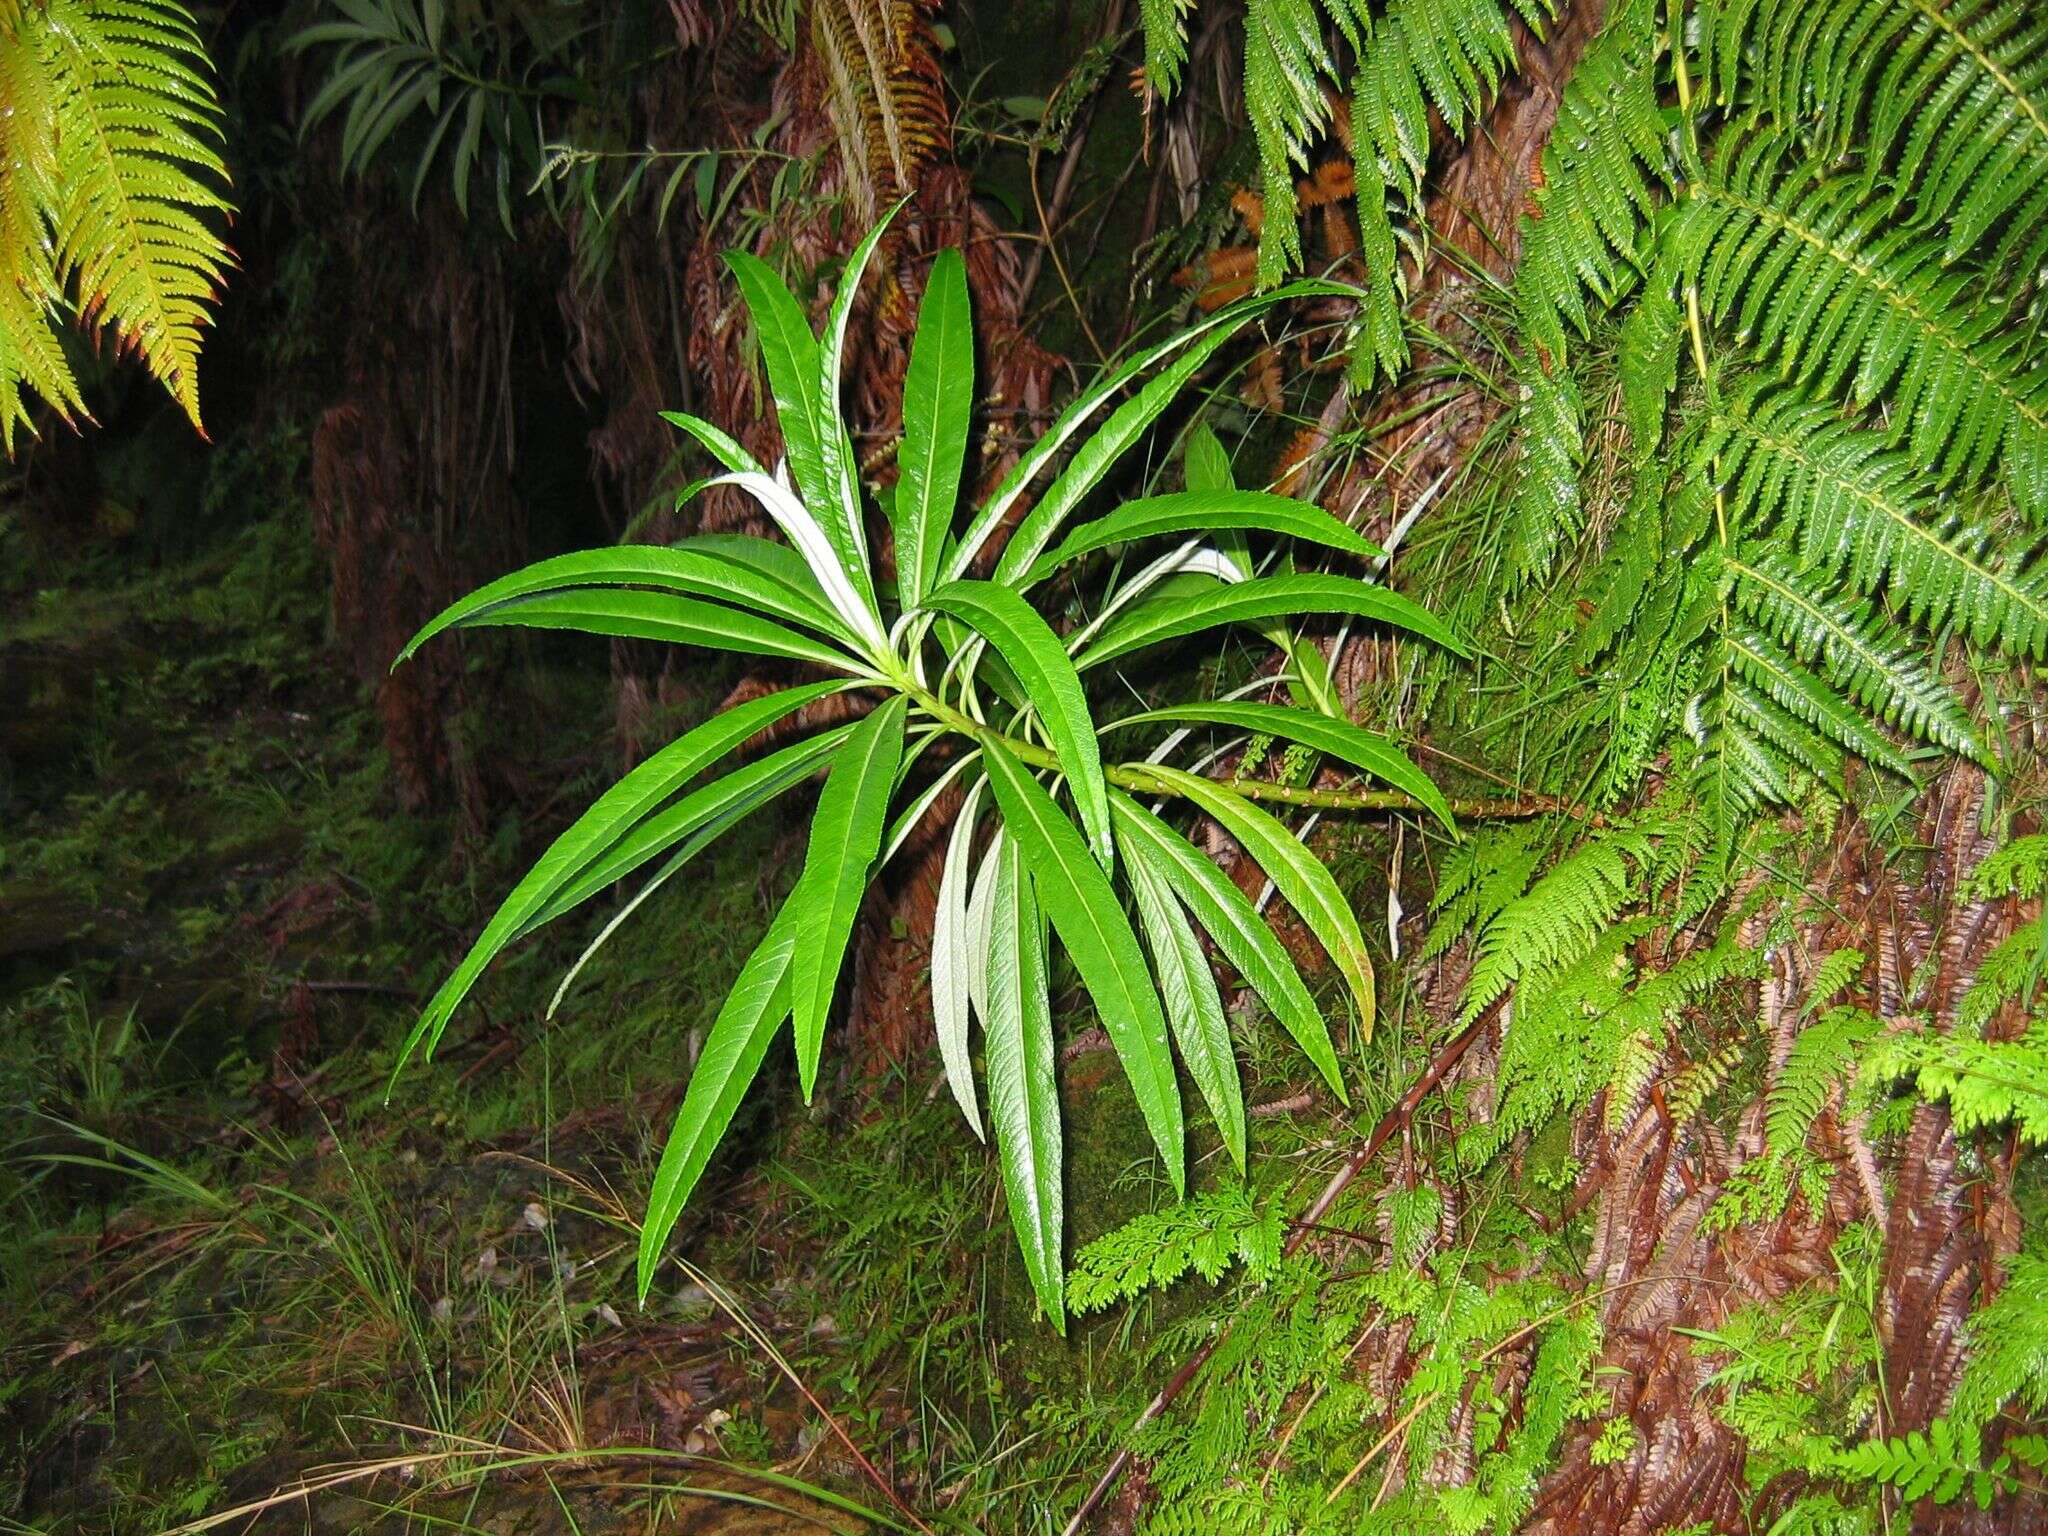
(1797, 692)
(1859, 651)
(31, 296)
(1836, 970)
(1286, 62)
(1419, 54)
(1737, 772)
(31, 358)
(1951, 100)
(1844, 298)
(1595, 197)
(1863, 512)
(137, 123)
(1546, 510)
(1166, 42)
(108, 169)
(1649, 368)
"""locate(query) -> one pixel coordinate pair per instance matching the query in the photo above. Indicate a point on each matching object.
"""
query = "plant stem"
(1139, 779)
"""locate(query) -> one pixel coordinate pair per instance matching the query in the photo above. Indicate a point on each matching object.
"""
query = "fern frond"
(1286, 62)
(2011, 973)
(1480, 877)
(1449, 55)
(1859, 651)
(1836, 970)
(108, 171)
(1586, 229)
(1936, 1465)
(1206, 1235)
(1985, 1082)
(1546, 511)
(1649, 369)
(1864, 512)
(1165, 24)
(1952, 101)
(1825, 281)
(2008, 1346)
(1811, 703)
(1559, 917)
(137, 124)
(2020, 869)
(1821, 1059)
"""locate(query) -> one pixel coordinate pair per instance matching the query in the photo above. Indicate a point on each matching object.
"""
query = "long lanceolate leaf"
(638, 615)
(1023, 1091)
(1094, 459)
(695, 820)
(789, 352)
(1218, 327)
(1199, 510)
(1229, 918)
(953, 959)
(841, 512)
(593, 834)
(721, 445)
(846, 837)
(811, 429)
(1297, 874)
(1362, 749)
(1263, 597)
(690, 572)
(1035, 654)
(1097, 936)
(815, 545)
(726, 1067)
(938, 398)
(1193, 1005)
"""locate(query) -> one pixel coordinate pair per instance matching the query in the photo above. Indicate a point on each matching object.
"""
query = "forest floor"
(235, 1270)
